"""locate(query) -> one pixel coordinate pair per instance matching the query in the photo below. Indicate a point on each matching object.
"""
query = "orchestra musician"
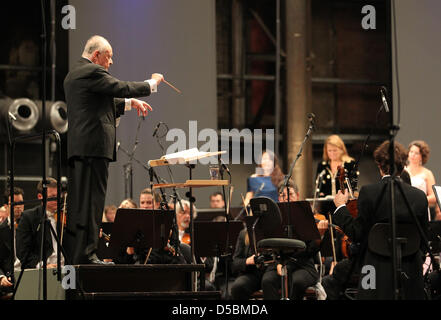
(18, 208)
(95, 101)
(5, 240)
(249, 277)
(264, 182)
(358, 228)
(301, 270)
(335, 155)
(29, 231)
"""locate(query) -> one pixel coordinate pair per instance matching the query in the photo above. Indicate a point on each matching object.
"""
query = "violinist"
(335, 155)
(149, 200)
(174, 252)
(29, 231)
(183, 219)
(358, 229)
(5, 239)
(18, 209)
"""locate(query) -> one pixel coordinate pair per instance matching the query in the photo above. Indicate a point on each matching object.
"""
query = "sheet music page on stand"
(188, 155)
(185, 154)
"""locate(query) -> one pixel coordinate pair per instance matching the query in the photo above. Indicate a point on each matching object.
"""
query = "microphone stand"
(289, 175)
(128, 168)
(397, 272)
(175, 242)
(228, 252)
(365, 143)
(170, 174)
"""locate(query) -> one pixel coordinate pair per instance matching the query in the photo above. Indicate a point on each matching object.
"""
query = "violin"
(345, 242)
(63, 216)
(186, 238)
(352, 202)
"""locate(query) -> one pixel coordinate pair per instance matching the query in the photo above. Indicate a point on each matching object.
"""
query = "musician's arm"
(356, 229)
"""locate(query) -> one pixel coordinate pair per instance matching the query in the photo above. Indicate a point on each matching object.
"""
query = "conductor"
(95, 101)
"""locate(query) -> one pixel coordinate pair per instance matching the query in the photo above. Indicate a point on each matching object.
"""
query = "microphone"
(311, 118)
(117, 146)
(383, 93)
(224, 166)
(156, 129)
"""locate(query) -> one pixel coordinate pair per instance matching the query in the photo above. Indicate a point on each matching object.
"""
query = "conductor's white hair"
(95, 43)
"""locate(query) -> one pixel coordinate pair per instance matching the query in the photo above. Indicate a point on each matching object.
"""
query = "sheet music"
(189, 155)
(193, 152)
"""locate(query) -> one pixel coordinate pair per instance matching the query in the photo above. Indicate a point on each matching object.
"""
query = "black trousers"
(87, 186)
(246, 284)
(299, 280)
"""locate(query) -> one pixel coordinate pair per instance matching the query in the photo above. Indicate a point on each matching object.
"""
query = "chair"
(379, 242)
(408, 240)
(282, 248)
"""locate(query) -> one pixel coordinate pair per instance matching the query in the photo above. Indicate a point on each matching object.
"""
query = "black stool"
(282, 248)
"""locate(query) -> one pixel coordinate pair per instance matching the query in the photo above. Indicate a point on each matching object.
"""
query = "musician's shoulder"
(322, 164)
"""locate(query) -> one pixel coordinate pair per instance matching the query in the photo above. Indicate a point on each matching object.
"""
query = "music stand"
(140, 228)
(302, 219)
(266, 221)
(210, 237)
(323, 205)
(280, 224)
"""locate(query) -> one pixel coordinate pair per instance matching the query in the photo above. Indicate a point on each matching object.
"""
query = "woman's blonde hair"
(336, 141)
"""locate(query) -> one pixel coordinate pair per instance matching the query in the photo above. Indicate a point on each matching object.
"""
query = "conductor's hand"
(141, 106)
(158, 77)
(341, 198)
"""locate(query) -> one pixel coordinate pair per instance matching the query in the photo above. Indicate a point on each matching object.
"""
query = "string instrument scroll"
(352, 202)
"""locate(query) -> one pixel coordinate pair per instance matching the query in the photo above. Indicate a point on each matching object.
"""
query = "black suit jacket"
(28, 238)
(5, 248)
(93, 106)
(358, 230)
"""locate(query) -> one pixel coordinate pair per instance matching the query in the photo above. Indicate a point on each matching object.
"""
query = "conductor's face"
(104, 57)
